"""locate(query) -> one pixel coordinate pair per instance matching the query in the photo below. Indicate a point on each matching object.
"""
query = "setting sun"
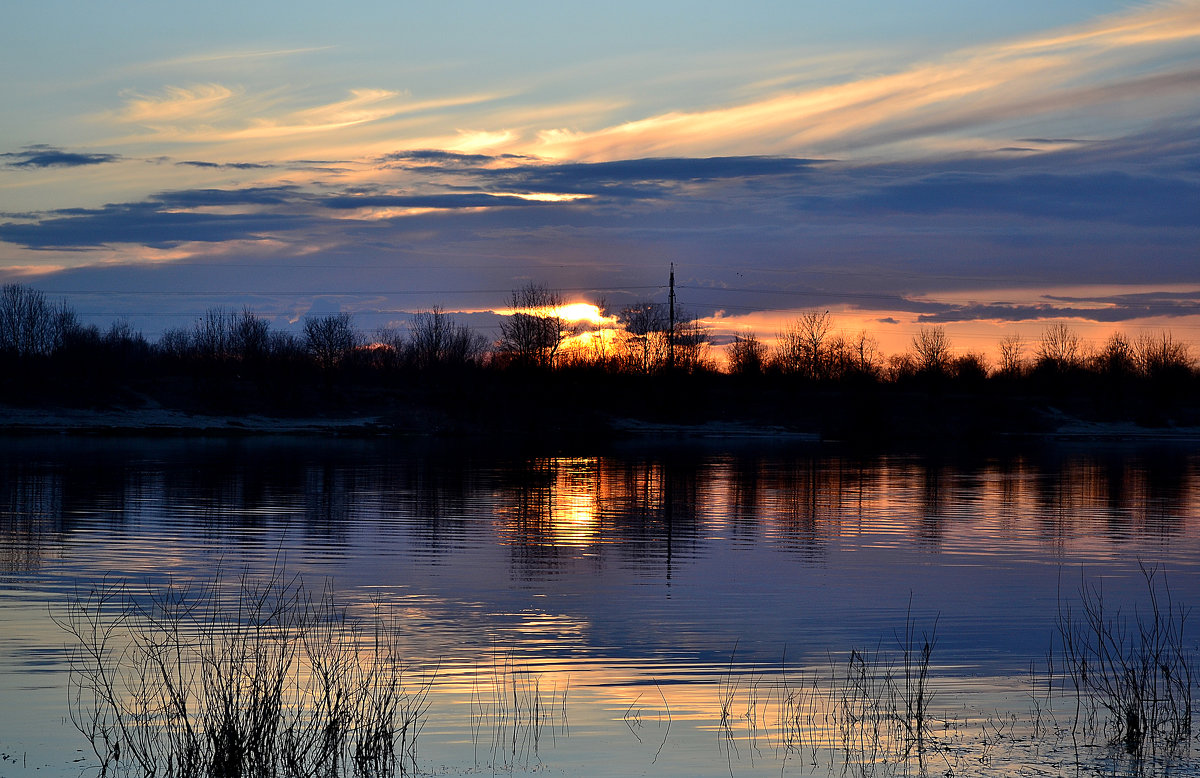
(583, 312)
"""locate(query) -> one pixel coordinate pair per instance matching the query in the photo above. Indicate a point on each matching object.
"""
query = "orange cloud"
(959, 102)
(971, 87)
(214, 113)
(175, 104)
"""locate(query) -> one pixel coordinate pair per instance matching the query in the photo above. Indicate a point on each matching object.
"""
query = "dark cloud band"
(43, 156)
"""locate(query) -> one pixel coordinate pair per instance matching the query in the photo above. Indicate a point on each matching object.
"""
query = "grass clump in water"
(261, 678)
(1131, 674)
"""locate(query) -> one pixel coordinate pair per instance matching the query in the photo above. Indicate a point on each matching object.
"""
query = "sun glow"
(581, 312)
(545, 197)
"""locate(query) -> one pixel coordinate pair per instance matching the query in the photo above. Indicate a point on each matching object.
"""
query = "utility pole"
(671, 330)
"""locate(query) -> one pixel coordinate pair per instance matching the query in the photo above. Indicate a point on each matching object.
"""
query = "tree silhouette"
(249, 337)
(932, 349)
(533, 333)
(1059, 349)
(436, 340)
(645, 343)
(329, 339)
(1116, 358)
(1162, 355)
(865, 358)
(1012, 355)
(746, 355)
(30, 325)
(804, 346)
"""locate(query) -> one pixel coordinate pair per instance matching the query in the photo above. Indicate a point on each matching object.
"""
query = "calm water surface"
(661, 605)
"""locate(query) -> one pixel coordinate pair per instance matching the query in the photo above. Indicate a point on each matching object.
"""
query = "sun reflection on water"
(559, 506)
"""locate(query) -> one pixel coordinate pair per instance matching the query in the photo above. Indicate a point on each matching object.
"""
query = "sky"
(988, 167)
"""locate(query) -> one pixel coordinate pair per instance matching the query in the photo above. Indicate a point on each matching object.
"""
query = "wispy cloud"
(223, 165)
(43, 156)
(1113, 309)
(974, 88)
(1159, 23)
(153, 224)
(641, 177)
(216, 113)
(363, 105)
(974, 99)
(174, 104)
(438, 159)
(227, 56)
(426, 202)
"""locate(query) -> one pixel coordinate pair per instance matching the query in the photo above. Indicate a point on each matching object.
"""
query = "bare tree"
(804, 346)
(121, 333)
(223, 335)
(1116, 357)
(747, 355)
(598, 349)
(29, 324)
(431, 333)
(867, 359)
(212, 334)
(932, 349)
(285, 347)
(329, 339)
(66, 325)
(1161, 354)
(691, 345)
(837, 356)
(437, 340)
(391, 336)
(249, 336)
(645, 342)
(175, 343)
(901, 366)
(389, 346)
(532, 334)
(969, 366)
(1012, 355)
(123, 346)
(1059, 348)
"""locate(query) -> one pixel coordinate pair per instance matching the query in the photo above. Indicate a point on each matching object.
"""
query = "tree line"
(535, 334)
(636, 361)
(810, 347)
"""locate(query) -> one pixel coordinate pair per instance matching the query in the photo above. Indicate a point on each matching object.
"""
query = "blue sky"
(986, 166)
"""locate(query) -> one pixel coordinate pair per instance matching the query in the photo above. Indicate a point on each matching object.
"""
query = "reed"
(259, 678)
(1131, 675)
(867, 713)
(510, 702)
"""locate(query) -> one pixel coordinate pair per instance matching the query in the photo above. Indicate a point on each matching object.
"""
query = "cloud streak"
(44, 156)
(1116, 309)
(144, 224)
(1109, 196)
(223, 165)
(1119, 67)
(217, 113)
(233, 56)
(976, 88)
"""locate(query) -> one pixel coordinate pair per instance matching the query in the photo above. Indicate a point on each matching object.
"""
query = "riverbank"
(148, 418)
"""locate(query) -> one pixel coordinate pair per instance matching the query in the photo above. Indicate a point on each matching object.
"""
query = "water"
(666, 609)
